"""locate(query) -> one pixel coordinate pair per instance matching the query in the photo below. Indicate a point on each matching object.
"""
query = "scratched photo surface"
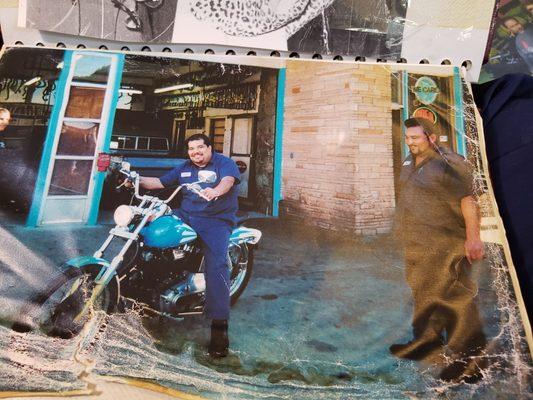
(355, 27)
(361, 283)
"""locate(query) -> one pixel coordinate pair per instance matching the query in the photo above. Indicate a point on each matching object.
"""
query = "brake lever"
(195, 190)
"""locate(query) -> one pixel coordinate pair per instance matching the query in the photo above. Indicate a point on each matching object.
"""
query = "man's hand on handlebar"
(210, 194)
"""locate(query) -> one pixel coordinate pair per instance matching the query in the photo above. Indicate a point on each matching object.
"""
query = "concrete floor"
(315, 322)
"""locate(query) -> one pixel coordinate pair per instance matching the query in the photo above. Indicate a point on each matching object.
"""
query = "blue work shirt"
(224, 207)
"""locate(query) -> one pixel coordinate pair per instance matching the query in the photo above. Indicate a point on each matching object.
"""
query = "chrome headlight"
(123, 215)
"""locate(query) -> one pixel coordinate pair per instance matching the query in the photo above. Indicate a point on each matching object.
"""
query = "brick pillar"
(337, 147)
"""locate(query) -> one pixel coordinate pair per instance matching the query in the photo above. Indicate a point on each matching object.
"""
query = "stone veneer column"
(337, 147)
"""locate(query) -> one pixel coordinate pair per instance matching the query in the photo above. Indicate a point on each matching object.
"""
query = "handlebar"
(194, 188)
(135, 179)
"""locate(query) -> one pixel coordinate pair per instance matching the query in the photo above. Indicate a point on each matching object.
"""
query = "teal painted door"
(79, 130)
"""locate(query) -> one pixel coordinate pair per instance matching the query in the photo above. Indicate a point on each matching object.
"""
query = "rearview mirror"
(207, 176)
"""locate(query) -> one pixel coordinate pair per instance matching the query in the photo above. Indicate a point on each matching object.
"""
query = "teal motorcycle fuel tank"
(167, 231)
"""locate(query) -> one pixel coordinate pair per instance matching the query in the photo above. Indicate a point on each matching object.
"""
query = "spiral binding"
(221, 50)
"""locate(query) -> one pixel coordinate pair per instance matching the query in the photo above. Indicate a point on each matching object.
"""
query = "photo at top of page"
(316, 26)
(344, 210)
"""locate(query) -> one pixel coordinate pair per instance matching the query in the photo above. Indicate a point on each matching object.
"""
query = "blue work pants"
(214, 234)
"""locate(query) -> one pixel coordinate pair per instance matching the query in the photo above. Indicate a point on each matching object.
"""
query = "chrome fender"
(82, 261)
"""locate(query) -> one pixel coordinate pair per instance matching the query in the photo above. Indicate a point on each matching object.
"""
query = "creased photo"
(250, 228)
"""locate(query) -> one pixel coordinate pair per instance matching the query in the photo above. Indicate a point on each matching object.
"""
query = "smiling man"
(213, 221)
(439, 225)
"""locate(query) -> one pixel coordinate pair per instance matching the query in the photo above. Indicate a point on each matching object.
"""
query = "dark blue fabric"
(225, 207)
(506, 106)
(214, 235)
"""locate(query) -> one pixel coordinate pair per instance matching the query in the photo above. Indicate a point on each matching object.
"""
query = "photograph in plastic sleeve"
(511, 45)
(370, 29)
(323, 235)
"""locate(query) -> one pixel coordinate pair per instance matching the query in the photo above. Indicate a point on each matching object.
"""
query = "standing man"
(439, 224)
(5, 118)
(213, 221)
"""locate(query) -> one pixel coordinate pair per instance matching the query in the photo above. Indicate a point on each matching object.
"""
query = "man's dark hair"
(527, 2)
(425, 123)
(198, 136)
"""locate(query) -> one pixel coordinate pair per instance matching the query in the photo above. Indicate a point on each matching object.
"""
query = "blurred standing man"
(439, 225)
(213, 221)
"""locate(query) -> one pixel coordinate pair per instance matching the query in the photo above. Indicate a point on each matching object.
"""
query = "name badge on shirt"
(407, 162)
(185, 174)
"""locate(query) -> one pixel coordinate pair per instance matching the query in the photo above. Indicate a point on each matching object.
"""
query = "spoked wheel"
(67, 304)
(241, 259)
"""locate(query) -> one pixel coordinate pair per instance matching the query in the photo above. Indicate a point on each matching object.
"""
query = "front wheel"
(60, 309)
(241, 260)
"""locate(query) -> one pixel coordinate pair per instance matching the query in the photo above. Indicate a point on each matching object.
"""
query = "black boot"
(219, 345)
(417, 349)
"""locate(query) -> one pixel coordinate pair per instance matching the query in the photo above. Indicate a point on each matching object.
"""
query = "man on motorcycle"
(213, 218)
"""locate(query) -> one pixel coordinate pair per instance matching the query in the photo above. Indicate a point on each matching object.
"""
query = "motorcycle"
(160, 265)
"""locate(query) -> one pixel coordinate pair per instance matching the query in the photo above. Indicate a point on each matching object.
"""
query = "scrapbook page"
(362, 251)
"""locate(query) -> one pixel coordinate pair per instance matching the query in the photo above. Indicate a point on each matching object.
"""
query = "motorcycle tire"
(240, 277)
(63, 299)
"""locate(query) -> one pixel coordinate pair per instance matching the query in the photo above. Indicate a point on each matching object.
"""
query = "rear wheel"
(241, 259)
(60, 309)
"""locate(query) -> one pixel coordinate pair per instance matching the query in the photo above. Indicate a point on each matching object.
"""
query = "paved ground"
(315, 322)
